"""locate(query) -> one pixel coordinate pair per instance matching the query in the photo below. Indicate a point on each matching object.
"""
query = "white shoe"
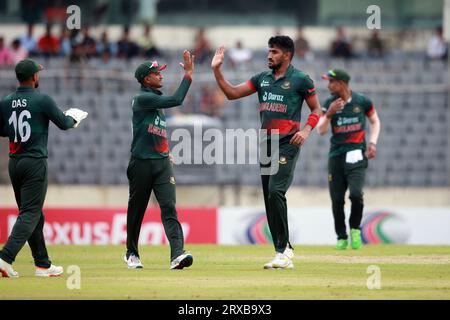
(133, 262)
(53, 271)
(7, 271)
(281, 260)
(289, 253)
(182, 261)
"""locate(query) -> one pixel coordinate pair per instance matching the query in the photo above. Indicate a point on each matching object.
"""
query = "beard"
(36, 84)
(275, 67)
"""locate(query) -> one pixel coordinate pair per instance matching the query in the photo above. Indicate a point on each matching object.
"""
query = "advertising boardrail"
(72, 226)
(238, 225)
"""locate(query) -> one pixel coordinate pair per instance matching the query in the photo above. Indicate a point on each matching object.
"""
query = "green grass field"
(235, 272)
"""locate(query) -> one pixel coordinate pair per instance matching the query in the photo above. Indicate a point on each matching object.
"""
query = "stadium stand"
(409, 93)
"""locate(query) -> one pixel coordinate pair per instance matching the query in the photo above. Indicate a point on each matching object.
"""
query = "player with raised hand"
(24, 118)
(150, 168)
(281, 92)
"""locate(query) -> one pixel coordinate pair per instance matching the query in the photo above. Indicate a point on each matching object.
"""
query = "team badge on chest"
(356, 109)
(286, 85)
(282, 160)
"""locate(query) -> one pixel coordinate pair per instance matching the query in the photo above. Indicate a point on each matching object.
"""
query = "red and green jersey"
(25, 116)
(280, 101)
(348, 125)
(150, 139)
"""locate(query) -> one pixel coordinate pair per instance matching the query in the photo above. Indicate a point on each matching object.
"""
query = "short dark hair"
(285, 43)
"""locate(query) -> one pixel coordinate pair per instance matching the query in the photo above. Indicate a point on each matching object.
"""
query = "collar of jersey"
(288, 73)
(25, 89)
(148, 89)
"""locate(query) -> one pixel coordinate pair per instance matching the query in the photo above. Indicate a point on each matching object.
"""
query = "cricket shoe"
(53, 271)
(133, 262)
(281, 260)
(356, 238)
(342, 244)
(182, 261)
(7, 271)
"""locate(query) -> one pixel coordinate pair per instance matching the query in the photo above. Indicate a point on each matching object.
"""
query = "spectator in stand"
(29, 42)
(127, 49)
(17, 52)
(105, 64)
(240, 56)
(5, 54)
(105, 45)
(302, 48)
(88, 43)
(202, 47)
(147, 44)
(341, 46)
(48, 44)
(437, 49)
(375, 46)
(65, 42)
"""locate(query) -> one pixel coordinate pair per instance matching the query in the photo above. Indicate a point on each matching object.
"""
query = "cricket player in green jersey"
(346, 112)
(24, 118)
(281, 92)
(150, 168)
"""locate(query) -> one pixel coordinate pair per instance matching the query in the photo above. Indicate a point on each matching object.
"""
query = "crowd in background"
(80, 45)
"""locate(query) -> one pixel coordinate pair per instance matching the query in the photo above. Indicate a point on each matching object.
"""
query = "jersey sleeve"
(55, 115)
(369, 109)
(307, 88)
(254, 82)
(3, 132)
(154, 101)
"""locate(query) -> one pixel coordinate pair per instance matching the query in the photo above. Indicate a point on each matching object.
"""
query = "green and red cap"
(147, 67)
(27, 68)
(336, 74)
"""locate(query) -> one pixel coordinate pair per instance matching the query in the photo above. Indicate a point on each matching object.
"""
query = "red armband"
(313, 119)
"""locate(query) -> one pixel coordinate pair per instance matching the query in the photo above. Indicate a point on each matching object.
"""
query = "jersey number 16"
(20, 123)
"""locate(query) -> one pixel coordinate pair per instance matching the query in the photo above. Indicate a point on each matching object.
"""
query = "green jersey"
(281, 100)
(24, 118)
(348, 125)
(149, 121)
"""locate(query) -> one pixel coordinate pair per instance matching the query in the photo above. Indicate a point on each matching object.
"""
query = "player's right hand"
(335, 106)
(218, 58)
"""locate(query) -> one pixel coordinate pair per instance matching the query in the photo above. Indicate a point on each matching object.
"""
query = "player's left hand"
(300, 137)
(371, 151)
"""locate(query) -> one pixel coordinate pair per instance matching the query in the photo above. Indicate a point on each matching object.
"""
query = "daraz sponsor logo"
(274, 97)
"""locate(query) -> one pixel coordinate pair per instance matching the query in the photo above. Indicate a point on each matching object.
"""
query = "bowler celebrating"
(281, 92)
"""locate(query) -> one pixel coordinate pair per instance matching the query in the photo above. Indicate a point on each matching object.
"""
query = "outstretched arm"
(62, 121)
(154, 101)
(230, 91)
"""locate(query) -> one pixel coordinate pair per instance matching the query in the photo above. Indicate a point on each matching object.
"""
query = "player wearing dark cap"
(150, 168)
(346, 111)
(24, 119)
